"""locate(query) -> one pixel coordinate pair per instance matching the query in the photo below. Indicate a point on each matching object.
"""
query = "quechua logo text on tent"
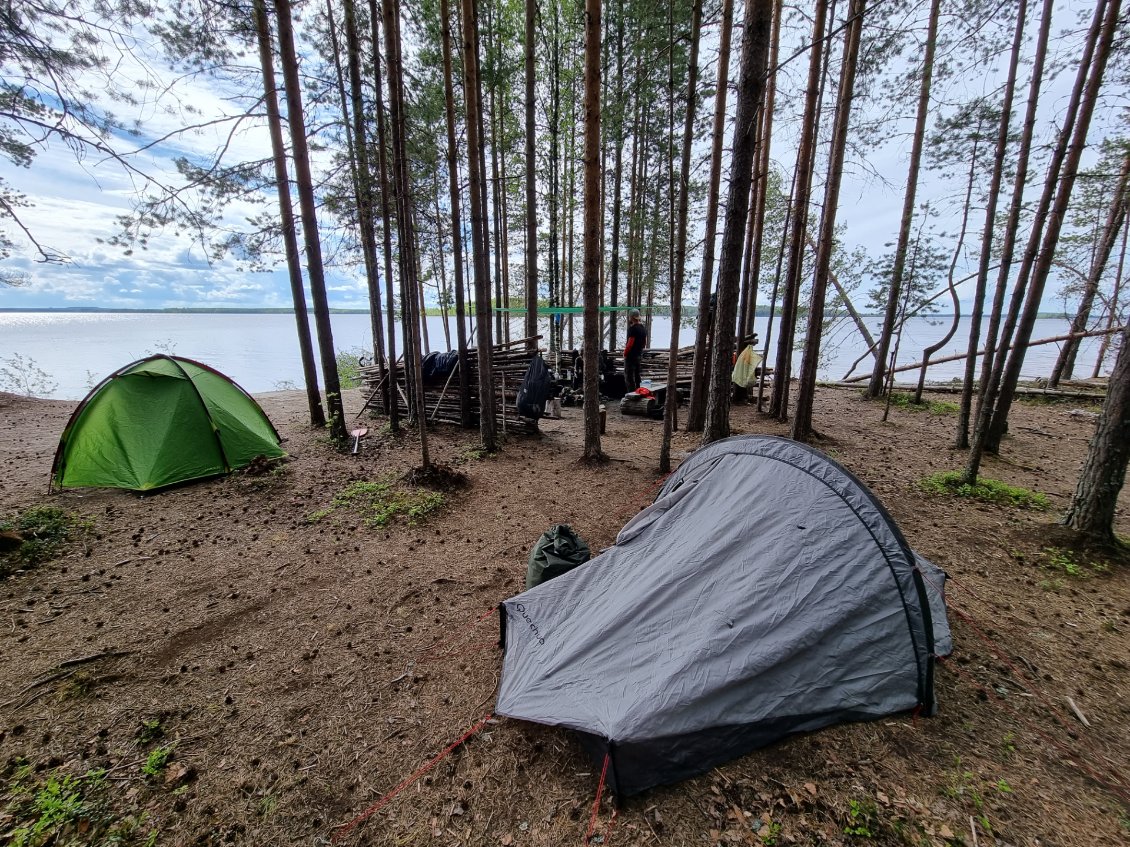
(520, 608)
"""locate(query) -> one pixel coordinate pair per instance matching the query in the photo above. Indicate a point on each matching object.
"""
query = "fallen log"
(957, 357)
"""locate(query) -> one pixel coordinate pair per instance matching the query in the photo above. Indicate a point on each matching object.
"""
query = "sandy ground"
(297, 665)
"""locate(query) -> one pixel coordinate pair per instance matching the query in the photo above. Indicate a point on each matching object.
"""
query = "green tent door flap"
(161, 421)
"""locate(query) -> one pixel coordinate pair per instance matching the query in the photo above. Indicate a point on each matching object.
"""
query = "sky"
(76, 203)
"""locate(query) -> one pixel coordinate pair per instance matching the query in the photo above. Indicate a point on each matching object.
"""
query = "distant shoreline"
(433, 312)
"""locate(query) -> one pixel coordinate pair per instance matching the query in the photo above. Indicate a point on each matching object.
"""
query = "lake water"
(260, 351)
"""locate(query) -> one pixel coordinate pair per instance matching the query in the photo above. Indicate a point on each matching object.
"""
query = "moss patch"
(984, 489)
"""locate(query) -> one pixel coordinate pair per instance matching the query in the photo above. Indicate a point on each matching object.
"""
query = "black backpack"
(536, 385)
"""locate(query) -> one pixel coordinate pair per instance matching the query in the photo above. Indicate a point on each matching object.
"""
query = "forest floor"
(246, 661)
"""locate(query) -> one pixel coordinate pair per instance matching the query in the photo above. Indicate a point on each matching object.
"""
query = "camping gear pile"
(158, 422)
(441, 384)
(765, 592)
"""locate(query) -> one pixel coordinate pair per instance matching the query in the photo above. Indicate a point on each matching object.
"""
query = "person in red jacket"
(633, 350)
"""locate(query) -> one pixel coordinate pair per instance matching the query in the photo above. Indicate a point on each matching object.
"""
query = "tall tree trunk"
(672, 399)
(364, 182)
(961, 436)
(404, 219)
(391, 403)
(618, 178)
(592, 231)
(531, 184)
(806, 391)
(423, 306)
(306, 205)
(751, 88)
(456, 225)
(495, 198)
(1112, 308)
(441, 271)
(875, 387)
(1093, 507)
(503, 202)
(286, 212)
(806, 151)
(1063, 180)
(487, 424)
(757, 230)
(700, 371)
(1065, 364)
(633, 206)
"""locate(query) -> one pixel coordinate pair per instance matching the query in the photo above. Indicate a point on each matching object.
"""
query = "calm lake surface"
(260, 351)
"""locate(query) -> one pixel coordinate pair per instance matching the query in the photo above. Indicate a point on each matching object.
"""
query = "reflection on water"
(260, 351)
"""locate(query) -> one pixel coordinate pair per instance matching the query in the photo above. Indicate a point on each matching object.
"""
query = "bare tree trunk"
(286, 212)
(531, 183)
(961, 437)
(457, 227)
(1093, 507)
(1065, 364)
(751, 88)
(404, 219)
(386, 221)
(1061, 179)
(364, 182)
(617, 177)
(487, 428)
(1112, 308)
(307, 205)
(672, 398)
(806, 391)
(592, 231)
(700, 373)
(958, 251)
(441, 271)
(757, 230)
(779, 399)
(875, 387)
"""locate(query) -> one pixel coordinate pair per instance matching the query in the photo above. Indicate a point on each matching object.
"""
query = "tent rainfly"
(765, 592)
(158, 422)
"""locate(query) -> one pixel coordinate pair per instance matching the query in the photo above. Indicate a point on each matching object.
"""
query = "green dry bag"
(558, 551)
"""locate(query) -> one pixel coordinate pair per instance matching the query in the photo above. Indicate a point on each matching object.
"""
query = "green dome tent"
(160, 421)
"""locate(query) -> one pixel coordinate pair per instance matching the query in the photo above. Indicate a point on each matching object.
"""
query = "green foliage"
(20, 375)
(383, 501)
(987, 490)
(46, 531)
(68, 809)
(157, 761)
(1070, 563)
(149, 731)
(862, 819)
(936, 407)
(349, 366)
(965, 786)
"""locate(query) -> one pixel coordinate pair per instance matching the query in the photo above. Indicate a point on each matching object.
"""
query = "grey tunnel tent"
(765, 592)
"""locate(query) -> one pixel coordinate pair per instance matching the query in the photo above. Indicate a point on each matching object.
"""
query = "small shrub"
(987, 490)
(157, 761)
(69, 809)
(149, 731)
(349, 366)
(21, 375)
(935, 407)
(383, 501)
(1070, 563)
(46, 531)
(861, 821)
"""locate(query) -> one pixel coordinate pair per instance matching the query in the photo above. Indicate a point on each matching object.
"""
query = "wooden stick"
(1078, 712)
(444, 392)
